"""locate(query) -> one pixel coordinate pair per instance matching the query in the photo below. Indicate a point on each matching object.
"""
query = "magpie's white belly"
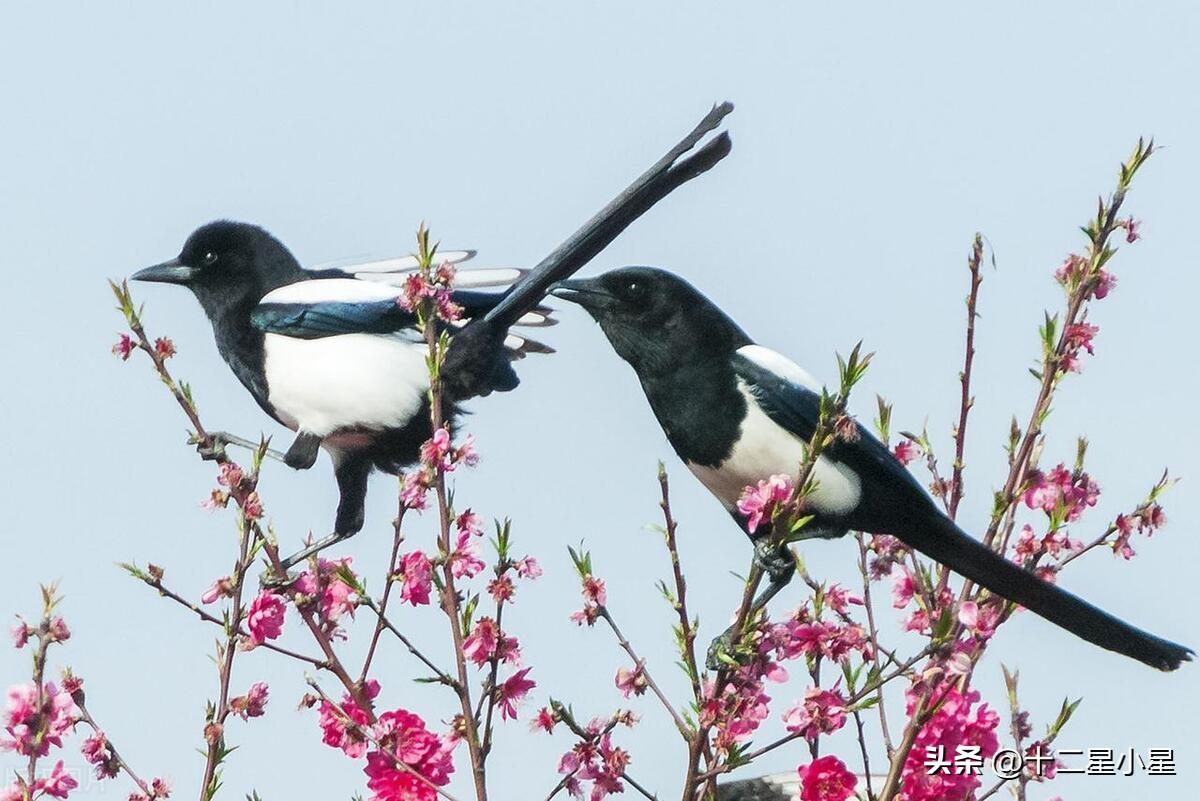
(351, 381)
(764, 449)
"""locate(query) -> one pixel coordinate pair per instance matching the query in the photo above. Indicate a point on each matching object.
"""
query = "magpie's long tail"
(667, 174)
(945, 542)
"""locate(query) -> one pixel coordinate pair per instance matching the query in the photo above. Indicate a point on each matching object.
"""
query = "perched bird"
(330, 354)
(737, 413)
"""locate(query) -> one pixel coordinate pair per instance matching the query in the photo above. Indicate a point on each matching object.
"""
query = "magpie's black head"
(227, 264)
(654, 319)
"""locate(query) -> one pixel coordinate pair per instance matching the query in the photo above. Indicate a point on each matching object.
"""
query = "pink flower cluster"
(98, 753)
(959, 721)
(888, 551)
(438, 455)
(434, 286)
(1055, 544)
(826, 779)
(415, 574)
(1145, 520)
(821, 712)
(342, 726)
(58, 784)
(332, 587)
(486, 642)
(251, 705)
(906, 451)
(1061, 493)
(1075, 269)
(33, 724)
(594, 596)
(1078, 338)
(631, 681)
(264, 618)
(413, 762)
(764, 500)
(595, 759)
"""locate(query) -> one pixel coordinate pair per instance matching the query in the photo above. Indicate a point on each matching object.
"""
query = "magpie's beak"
(169, 272)
(587, 292)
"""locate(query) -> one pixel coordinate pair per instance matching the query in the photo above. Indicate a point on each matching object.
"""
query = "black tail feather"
(652, 186)
(942, 540)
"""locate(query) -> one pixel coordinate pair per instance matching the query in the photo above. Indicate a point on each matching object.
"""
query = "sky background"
(870, 143)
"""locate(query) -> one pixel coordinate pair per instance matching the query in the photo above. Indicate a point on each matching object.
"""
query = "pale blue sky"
(871, 142)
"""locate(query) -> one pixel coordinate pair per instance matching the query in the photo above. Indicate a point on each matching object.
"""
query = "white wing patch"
(780, 365)
(390, 264)
(763, 449)
(324, 386)
(323, 290)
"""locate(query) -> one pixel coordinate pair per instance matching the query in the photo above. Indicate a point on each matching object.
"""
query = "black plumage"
(737, 413)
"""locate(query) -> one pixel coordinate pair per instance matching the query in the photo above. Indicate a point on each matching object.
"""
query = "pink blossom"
(221, 588)
(528, 568)
(422, 752)
(125, 347)
(436, 450)
(906, 451)
(464, 560)
(30, 729)
(97, 752)
(414, 491)
(164, 348)
(416, 288)
(631, 682)
(821, 712)
(1132, 229)
(57, 630)
(264, 619)
(480, 645)
(337, 598)
(1105, 281)
(334, 721)
(469, 523)
(588, 615)
(230, 475)
(959, 720)
(466, 453)
(58, 784)
(511, 691)
(594, 591)
(595, 760)
(544, 720)
(252, 507)
(762, 500)
(839, 598)
(904, 586)
(1078, 338)
(21, 632)
(416, 575)
(501, 589)
(14, 792)
(826, 779)
(253, 704)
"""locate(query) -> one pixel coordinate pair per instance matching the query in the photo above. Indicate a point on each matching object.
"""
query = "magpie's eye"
(634, 291)
(209, 258)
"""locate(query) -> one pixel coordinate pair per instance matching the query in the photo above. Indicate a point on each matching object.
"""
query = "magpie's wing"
(791, 398)
(334, 306)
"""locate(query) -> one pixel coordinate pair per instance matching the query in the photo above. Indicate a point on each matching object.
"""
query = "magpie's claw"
(721, 646)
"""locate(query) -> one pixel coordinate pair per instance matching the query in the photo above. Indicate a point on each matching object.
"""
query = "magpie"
(331, 355)
(736, 413)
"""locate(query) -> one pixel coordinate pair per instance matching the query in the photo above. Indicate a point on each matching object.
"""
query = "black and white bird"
(330, 354)
(737, 413)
